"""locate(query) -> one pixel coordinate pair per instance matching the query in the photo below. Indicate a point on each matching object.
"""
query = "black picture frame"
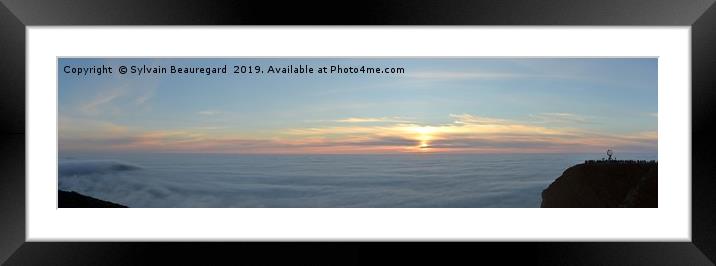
(15, 15)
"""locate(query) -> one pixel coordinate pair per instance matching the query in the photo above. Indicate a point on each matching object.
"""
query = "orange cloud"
(467, 133)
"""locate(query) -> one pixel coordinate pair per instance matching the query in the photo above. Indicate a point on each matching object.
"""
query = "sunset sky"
(439, 105)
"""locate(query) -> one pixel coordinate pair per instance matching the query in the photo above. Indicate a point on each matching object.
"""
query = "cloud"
(561, 118)
(488, 143)
(85, 127)
(372, 120)
(123, 97)
(473, 133)
(373, 141)
(210, 128)
(209, 112)
(473, 119)
(125, 181)
(95, 105)
(462, 75)
(142, 99)
(467, 133)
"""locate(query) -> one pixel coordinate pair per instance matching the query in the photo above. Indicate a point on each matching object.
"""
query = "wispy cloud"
(95, 105)
(561, 118)
(467, 133)
(142, 99)
(373, 120)
(209, 112)
(462, 75)
(84, 127)
(474, 119)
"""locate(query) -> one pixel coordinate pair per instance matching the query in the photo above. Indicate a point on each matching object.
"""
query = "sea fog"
(308, 181)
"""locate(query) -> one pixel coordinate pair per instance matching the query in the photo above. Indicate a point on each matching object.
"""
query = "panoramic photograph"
(383, 132)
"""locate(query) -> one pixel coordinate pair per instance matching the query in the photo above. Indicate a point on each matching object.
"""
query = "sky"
(438, 105)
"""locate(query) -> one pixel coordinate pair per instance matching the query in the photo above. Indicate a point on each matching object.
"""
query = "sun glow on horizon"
(425, 135)
(468, 134)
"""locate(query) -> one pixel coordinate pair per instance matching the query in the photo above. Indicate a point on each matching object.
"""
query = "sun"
(424, 144)
(424, 136)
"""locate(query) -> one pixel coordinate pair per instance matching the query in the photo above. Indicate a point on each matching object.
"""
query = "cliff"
(627, 184)
(71, 199)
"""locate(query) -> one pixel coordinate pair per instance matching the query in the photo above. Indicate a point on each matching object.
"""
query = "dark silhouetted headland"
(605, 184)
(71, 199)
